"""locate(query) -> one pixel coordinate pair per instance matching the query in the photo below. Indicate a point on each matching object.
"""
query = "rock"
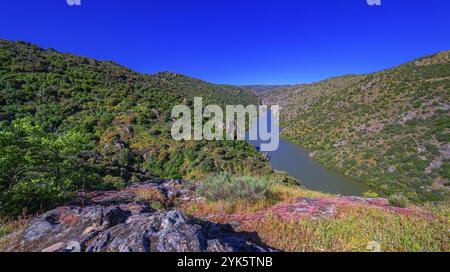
(445, 151)
(72, 246)
(53, 248)
(437, 163)
(340, 143)
(169, 188)
(314, 208)
(131, 226)
(392, 169)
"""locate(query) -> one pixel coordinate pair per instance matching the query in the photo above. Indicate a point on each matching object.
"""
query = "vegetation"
(39, 169)
(155, 198)
(354, 230)
(69, 122)
(349, 228)
(388, 129)
(257, 194)
(399, 201)
(230, 188)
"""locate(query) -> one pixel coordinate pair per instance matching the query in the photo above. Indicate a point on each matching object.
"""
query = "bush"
(115, 182)
(399, 201)
(230, 188)
(370, 194)
(3, 231)
(207, 166)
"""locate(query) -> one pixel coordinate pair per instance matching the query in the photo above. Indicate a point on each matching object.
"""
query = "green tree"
(39, 170)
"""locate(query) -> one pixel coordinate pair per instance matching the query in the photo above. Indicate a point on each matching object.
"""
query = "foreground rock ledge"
(124, 221)
(131, 226)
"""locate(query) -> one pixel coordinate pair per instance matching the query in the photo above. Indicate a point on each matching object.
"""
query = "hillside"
(389, 129)
(260, 89)
(87, 164)
(69, 122)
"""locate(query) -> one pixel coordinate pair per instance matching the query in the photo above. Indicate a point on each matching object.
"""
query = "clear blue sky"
(236, 41)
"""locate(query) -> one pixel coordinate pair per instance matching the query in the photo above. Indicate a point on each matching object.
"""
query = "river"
(296, 162)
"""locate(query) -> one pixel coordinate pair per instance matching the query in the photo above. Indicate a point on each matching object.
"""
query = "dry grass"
(10, 231)
(353, 230)
(154, 197)
(287, 193)
(276, 194)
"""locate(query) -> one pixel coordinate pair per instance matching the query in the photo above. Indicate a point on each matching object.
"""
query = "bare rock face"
(115, 222)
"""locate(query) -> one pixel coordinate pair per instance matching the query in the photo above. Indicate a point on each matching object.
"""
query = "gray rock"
(72, 246)
(132, 226)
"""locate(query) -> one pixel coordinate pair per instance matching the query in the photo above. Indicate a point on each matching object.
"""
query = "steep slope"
(124, 115)
(299, 98)
(389, 129)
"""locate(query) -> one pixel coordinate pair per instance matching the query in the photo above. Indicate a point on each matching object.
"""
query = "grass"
(155, 198)
(10, 230)
(354, 230)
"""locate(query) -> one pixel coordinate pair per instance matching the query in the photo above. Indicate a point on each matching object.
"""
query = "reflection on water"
(297, 163)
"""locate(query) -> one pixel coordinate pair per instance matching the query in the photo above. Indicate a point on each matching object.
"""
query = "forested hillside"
(389, 129)
(70, 122)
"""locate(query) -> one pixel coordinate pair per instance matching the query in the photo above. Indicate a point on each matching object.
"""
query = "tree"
(39, 170)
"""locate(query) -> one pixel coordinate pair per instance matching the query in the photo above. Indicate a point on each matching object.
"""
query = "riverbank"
(296, 162)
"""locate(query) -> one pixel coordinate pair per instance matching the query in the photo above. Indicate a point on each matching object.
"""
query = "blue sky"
(236, 42)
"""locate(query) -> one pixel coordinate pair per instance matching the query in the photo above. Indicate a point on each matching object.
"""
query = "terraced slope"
(389, 129)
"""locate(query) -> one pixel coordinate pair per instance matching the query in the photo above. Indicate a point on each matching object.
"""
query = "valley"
(87, 161)
(388, 129)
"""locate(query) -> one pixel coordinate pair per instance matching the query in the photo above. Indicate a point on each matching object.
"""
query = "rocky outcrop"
(145, 218)
(316, 208)
(120, 221)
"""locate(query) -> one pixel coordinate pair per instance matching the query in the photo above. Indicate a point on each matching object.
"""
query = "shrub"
(399, 201)
(207, 166)
(230, 188)
(3, 231)
(115, 182)
(124, 157)
(370, 194)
